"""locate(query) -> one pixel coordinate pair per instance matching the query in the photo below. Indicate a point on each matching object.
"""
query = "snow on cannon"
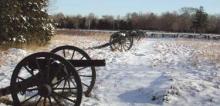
(58, 78)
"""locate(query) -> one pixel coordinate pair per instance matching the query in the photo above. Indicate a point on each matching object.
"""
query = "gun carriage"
(55, 78)
(122, 40)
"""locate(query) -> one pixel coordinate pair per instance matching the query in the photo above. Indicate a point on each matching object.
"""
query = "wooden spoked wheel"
(121, 41)
(45, 79)
(86, 73)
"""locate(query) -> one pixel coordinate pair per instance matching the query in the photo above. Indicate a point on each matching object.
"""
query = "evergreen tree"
(25, 21)
(200, 20)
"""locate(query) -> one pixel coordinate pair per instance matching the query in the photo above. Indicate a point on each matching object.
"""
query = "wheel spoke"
(127, 45)
(82, 68)
(85, 75)
(64, 97)
(85, 84)
(38, 100)
(31, 72)
(58, 102)
(72, 82)
(40, 71)
(64, 53)
(29, 98)
(69, 83)
(82, 57)
(72, 54)
(57, 83)
(45, 101)
(38, 65)
(51, 104)
(21, 78)
(48, 69)
(116, 46)
(128, 42)
(124, 47)
(121, 47)
(64, 88)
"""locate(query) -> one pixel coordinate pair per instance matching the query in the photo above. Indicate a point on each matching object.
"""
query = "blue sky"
(121, 7)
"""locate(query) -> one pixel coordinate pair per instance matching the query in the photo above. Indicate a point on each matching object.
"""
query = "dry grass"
(32, 46)
(5, 100)
(66, 35)
(99, 35)
(76, 32)
(208, 50)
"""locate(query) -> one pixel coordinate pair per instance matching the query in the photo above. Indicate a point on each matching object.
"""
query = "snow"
(154, 72)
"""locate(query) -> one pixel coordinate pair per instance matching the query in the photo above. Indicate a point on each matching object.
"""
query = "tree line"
(187, 19)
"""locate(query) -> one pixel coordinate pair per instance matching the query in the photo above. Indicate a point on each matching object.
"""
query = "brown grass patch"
(65, 35)
(98, 35)
(77, 32)
(208, 50)
(32, 46)
(6, 100)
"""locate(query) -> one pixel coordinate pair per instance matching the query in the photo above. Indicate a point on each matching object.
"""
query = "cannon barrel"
(106, 44)
(75, 63)
(20, 86)
(84, 63)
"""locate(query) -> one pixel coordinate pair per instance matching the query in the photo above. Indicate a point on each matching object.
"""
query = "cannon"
(56, 78)
(122, 40)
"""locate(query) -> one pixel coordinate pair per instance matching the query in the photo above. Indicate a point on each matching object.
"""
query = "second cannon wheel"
(86, 73)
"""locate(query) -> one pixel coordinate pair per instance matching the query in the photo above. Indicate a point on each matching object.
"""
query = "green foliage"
(24, 21)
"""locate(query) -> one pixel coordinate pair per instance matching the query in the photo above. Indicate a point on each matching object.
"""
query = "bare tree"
(89, 20)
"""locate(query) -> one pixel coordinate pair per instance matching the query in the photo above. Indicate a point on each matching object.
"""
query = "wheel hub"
(45, 90)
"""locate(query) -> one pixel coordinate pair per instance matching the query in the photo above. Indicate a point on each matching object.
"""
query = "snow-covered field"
(170, 72)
